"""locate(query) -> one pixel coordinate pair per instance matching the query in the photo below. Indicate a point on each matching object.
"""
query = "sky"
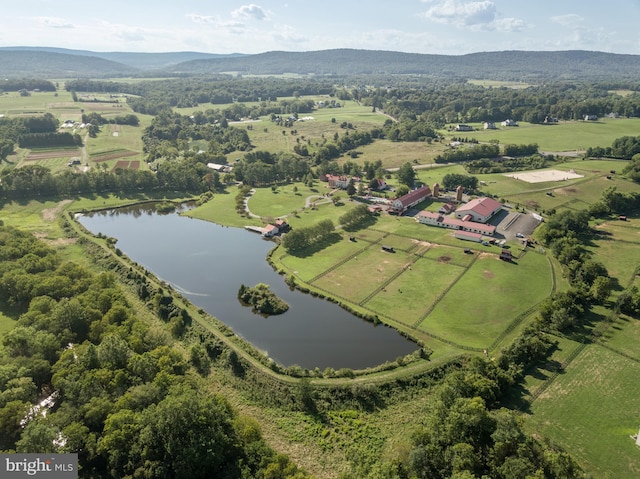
(449, 27)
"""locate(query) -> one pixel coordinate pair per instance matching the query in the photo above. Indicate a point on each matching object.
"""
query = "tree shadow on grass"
(368, 222)
(330, 240)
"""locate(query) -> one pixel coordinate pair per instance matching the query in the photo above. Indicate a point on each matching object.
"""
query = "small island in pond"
(262, 299)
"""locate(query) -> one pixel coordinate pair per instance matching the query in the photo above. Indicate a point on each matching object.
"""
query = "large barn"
(400, 205)
(479, 210)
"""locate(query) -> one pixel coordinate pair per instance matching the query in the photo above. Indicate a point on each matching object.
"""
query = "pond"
(207, 263)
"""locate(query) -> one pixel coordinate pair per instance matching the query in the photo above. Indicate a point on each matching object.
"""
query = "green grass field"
(407, 297)
(563, 137)
(488, 297)
(591, 410)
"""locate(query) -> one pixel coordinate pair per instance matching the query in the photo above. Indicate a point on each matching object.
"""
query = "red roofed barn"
(400, 205)
(480, 210)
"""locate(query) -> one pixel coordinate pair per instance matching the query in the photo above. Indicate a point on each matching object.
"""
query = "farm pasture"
(407, 297)
(591, 409)
(488, 297)
(361, 275)
(566, 136)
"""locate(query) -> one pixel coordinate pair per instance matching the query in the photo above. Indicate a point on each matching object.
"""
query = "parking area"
(515, 225)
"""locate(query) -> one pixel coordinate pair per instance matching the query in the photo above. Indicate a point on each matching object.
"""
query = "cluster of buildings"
(469, 220)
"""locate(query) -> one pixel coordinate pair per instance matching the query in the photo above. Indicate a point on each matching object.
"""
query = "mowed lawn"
(488, 297)
(407, 298)
(617, 247)
(361, 275)
(565, 136)
(592, 409)
(306, 269)
(286, 199)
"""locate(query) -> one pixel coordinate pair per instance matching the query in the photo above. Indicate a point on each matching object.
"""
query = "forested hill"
(137, 60)
(505, 65)
(16, 64)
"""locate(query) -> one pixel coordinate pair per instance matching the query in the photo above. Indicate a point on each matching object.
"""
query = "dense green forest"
(122, 393)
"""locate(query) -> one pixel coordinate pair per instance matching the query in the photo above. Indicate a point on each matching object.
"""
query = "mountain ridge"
(499, 65)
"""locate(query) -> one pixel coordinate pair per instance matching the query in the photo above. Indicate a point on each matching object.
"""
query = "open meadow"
(591, 410)
(565, 136)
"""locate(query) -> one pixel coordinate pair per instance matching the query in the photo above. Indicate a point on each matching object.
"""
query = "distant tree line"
(33, 181)
(40, 140)
(97, 119)
(32, 131)
(468, 153)
(503, 165)
(624, 147)
(26, 84)
(169, 135)
(438, 103)
(260, 168)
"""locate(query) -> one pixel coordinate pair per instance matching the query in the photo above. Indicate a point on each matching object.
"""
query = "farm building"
(509, 122)
(463, 128)
(380, 184)
(400, 205)
(467, 236)
(436, 219)
(269, 231)
(480, 210)
(336, 181)
(447, 208)
(489, 125)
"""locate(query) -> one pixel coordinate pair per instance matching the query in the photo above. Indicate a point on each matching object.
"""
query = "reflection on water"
(207, 263)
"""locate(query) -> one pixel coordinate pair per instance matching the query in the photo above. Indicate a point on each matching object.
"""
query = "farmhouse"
(480, 210)
(400, 205)
(463, 128)
(489, 125)
(509, 122)
(436, 219)
(336, 181)
(379, 184)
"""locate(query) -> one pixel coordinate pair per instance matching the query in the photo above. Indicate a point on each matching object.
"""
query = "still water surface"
(207, 263)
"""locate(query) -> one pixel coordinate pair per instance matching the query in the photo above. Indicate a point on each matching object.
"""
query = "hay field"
(592, 409)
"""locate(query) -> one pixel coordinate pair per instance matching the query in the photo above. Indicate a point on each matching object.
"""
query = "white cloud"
(509, 24)
(287, 35)
(250, 12)
(55, 22)
(570, 19)
(462, 13)
(475, 15)
(218, 23)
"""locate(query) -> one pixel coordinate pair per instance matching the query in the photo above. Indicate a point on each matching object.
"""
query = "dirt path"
(50, 214)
